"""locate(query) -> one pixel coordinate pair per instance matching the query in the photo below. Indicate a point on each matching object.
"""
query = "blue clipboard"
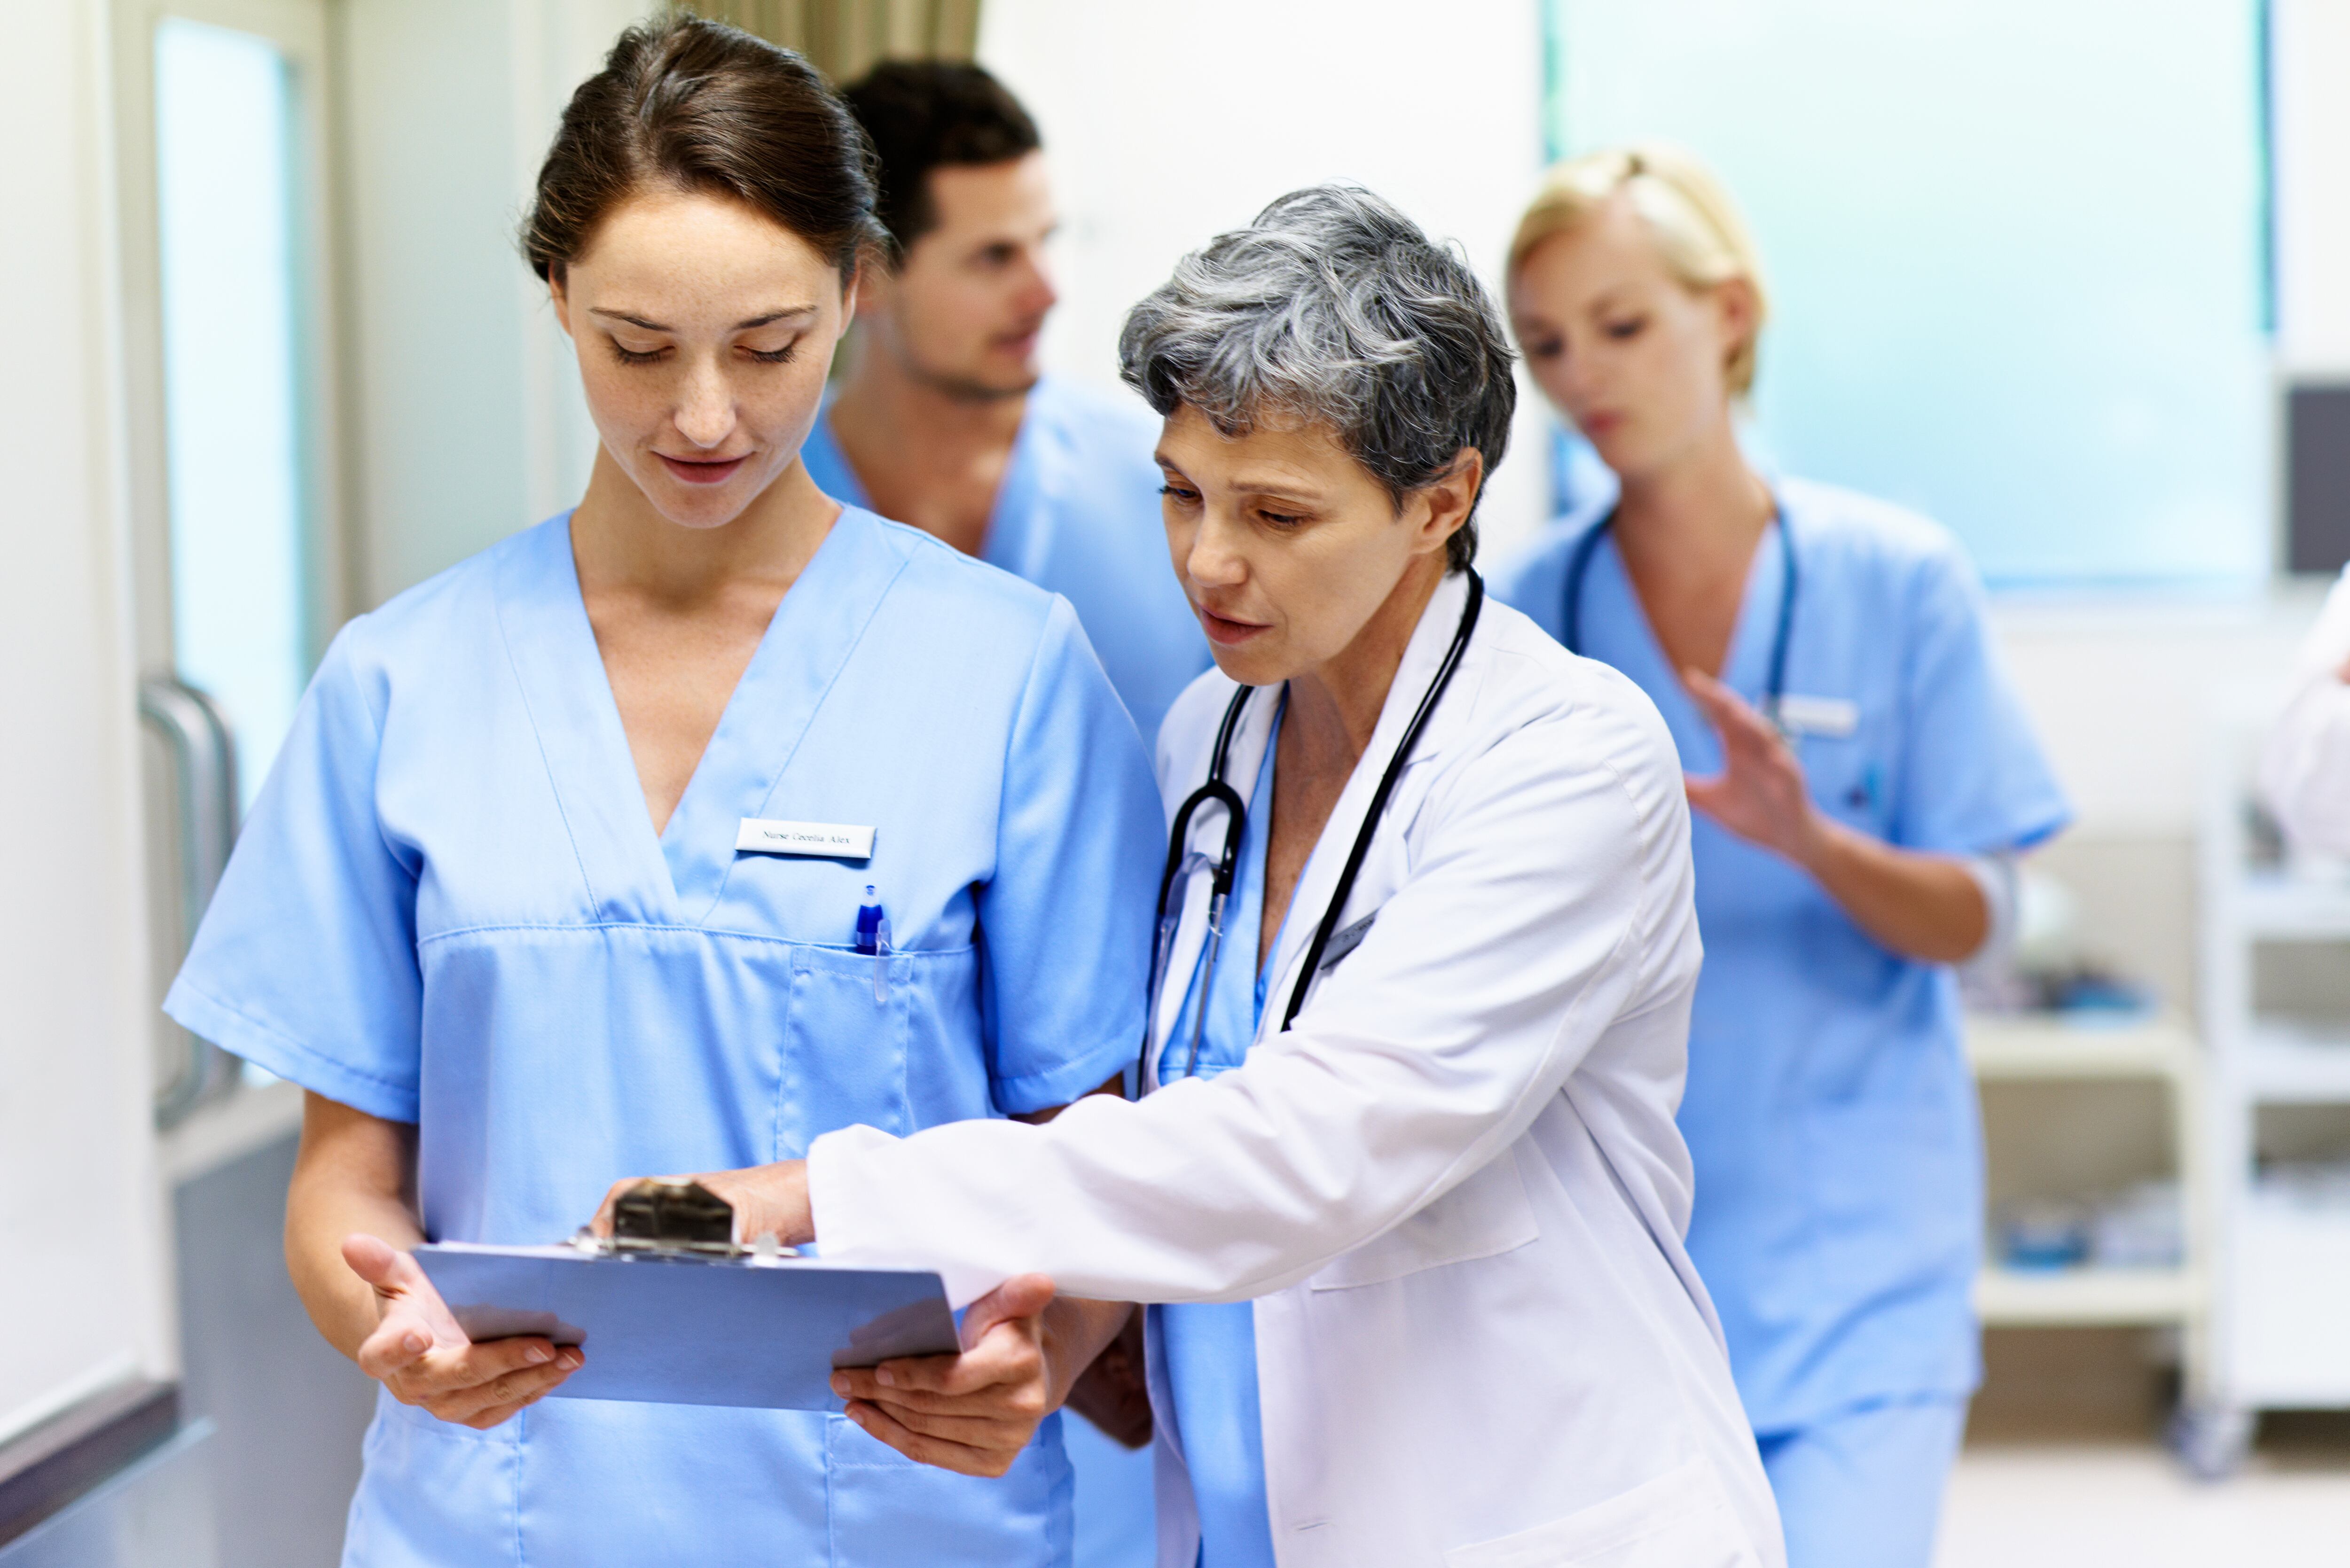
(759, 1332)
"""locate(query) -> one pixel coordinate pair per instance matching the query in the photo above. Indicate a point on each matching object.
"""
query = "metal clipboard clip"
(676, 1219)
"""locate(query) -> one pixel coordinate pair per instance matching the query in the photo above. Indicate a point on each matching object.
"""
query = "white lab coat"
(1454, 1187)
(2305, 765)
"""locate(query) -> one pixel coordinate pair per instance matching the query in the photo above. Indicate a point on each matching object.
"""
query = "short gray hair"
(1333, 308)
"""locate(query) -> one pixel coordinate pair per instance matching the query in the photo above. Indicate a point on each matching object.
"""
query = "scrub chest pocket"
(1847, 780)
(871, 1039)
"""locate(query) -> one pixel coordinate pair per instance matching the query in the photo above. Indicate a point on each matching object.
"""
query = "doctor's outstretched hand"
(419, 1352)
(1023, 1347)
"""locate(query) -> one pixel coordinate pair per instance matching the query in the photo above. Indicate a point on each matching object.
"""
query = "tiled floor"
(2086, 1505)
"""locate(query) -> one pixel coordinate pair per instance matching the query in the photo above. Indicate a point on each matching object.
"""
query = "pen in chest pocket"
(873, 937)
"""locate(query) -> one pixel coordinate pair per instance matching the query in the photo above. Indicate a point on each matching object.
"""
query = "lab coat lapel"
(1421, 657)
(1241, 768)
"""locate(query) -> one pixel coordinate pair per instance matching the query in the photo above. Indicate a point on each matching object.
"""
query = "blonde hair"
(1698, 228)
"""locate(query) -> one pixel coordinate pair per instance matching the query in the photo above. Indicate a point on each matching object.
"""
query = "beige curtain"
(842, 37)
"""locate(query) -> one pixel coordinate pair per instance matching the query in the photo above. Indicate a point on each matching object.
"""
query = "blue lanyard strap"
(1578, 567)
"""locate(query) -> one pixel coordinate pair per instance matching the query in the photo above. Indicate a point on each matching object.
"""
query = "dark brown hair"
(695, 105)
(923, 115)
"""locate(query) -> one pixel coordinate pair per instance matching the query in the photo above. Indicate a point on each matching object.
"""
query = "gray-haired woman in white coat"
(1415, 1059)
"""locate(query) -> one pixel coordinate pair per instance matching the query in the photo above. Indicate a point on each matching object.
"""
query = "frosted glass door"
(231, 392)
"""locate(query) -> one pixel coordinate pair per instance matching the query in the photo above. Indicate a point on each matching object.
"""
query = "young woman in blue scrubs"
(1847, 854)
(490, 909)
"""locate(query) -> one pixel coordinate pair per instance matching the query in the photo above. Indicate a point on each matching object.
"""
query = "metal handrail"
(204, 754)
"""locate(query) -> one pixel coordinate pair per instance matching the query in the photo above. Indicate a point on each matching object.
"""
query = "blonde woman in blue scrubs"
(493, 911)
(1861, 773)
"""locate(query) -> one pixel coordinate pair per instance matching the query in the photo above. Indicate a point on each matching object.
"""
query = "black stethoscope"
(1578, 567)
(1222, 867)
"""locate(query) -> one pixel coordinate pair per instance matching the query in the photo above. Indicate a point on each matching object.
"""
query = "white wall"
(2310, 65)
(1166, 124)
(2123, 693)
(82, 1297)
(465, 420)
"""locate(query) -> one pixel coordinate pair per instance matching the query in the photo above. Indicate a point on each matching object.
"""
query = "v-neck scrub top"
(1829, 1113)
(449, 907)
(1078, 515)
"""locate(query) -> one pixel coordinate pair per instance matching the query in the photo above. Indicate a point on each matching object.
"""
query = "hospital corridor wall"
(86, 1313)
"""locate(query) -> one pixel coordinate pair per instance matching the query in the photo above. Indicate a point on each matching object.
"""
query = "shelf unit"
(2282, 1268)
(2160, 1050)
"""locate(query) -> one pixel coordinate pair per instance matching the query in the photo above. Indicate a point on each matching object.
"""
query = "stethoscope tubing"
(1578, 567)
(1217, 790)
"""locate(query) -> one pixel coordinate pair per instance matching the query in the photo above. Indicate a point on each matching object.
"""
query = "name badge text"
(828, 840)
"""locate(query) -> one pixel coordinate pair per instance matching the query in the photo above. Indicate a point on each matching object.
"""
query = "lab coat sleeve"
(1066, 919)
(1548, 897)
(2306, 765)
(306, 960)
(1972, 778)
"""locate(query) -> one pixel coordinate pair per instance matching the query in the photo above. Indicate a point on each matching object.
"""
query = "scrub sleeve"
(306, 962)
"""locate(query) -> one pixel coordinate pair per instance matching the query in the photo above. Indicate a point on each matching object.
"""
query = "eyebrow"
(1273, 490)
(769, 319)
(1276, 489)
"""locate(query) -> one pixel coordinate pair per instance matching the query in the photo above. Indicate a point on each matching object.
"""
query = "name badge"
(828, 840)
(1833, 717)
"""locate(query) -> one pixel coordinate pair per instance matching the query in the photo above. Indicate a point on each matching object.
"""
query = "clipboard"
(674, 1328)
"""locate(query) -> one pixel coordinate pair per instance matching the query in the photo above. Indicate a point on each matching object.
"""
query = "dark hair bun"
(695, 105)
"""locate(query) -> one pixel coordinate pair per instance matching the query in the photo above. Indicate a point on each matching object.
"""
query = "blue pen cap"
(869, 922)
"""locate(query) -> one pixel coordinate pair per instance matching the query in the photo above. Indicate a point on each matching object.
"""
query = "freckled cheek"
(628, 410)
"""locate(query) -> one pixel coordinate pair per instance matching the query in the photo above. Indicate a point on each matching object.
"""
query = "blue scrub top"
(1210, 1350)
(1078, 515)
(1829, 1110)
(449, 907)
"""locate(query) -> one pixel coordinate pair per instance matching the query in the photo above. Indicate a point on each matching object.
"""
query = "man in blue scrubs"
(942, 419)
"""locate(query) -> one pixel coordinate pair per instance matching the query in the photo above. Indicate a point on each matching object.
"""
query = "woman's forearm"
(1925, 907)
(1077, 1331)
(351, 1175)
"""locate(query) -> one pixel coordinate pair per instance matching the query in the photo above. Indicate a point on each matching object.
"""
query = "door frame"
(302, 30)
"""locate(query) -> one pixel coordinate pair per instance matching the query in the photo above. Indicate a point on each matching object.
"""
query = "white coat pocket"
(1487, 1215)
(1679, 1519)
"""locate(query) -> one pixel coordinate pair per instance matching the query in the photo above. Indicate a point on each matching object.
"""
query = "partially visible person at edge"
(1863, 775)
(2305, 765)
(942, 419)
(490, 914)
